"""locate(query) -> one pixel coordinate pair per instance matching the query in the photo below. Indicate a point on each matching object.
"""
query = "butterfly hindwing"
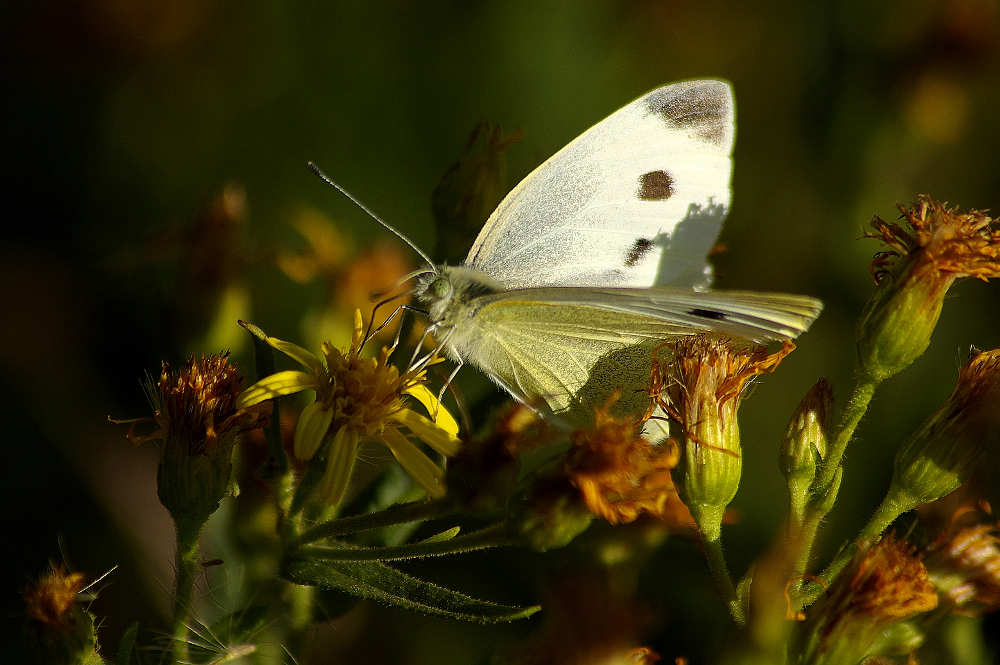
(637, 200)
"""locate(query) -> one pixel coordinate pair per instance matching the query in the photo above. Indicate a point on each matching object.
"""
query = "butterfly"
(600, 254)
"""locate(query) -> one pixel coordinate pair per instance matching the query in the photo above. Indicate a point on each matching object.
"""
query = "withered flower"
(699, 389)
(941, 454)
(913, 275)
(620, 474)
(59, 629)
(199, 421)
(883, 585)
(964, 564)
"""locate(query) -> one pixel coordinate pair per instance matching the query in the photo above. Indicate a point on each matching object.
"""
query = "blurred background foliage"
(154, 172)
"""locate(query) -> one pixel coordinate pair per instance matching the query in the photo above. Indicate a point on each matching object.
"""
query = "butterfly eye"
(441, 287)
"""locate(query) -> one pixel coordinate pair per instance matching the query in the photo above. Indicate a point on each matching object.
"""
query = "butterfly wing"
(637, 200)
(557, 342)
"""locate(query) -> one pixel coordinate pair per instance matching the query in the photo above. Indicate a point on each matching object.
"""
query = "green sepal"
(375, 581)
(126, 645)
(263, 356)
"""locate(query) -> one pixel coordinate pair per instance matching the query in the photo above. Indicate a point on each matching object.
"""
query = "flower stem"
(895, 504)
(709, 520)
(188, 531)
(856, 408)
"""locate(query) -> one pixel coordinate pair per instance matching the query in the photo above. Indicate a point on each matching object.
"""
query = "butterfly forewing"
(637, 200)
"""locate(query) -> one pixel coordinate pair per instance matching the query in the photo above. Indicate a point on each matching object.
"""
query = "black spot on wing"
(702, 107)
(639, 249)
(656, 186)
(707, 314)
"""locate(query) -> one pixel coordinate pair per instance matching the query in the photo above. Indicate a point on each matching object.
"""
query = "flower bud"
(804, 444)
(914, 275)
(942, 453)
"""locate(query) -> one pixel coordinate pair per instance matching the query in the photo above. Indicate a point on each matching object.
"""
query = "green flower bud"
(804, 444)
(945, 450)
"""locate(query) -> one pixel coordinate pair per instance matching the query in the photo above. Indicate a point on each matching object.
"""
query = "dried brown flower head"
(964, 563)
(884, 584)
(621, 474)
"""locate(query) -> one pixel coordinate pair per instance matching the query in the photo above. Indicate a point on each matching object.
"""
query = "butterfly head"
(447, 290)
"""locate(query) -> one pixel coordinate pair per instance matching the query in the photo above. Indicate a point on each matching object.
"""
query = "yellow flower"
(359, 399)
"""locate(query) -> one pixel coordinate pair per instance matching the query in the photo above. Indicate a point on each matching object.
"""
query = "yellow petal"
(417, 465)
(312, 428)
(444, 420)
(359, 327)
(433, 435)
(339, 462)
(296, 352)
(276, 385)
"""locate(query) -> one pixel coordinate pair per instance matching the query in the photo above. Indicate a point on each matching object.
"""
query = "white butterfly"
(599, 255)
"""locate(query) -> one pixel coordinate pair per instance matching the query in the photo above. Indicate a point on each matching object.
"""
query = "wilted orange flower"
(700, 388)
(883, 584)
(59, 629)
(199, 421)
(914, 275)
(964, 565)
(621, 474)
(950, 444)
(53, 596)
(943, 239)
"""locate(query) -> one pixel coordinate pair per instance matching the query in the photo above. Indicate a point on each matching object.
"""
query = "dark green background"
(121, 119)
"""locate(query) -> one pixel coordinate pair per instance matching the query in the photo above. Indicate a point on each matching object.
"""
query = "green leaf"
(264, 363)
(126, 646)
(443, 536)
(372, 580)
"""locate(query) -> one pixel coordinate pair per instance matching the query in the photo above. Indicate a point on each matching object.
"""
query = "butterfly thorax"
(452, 296)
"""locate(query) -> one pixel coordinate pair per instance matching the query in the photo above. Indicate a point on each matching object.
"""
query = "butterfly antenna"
(328, 180)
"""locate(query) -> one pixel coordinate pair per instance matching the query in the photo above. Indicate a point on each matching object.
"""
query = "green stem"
(496, 535)
(895, 504)
(188, 564)
(856, 408)
(395, 514)
(709, 520)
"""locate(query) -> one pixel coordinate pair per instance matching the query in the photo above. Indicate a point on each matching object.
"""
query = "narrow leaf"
(372, 580)
(126, 646)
